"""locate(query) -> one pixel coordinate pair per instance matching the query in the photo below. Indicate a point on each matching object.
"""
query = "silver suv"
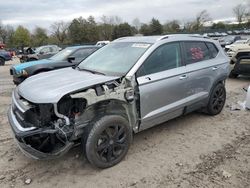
(128, 86)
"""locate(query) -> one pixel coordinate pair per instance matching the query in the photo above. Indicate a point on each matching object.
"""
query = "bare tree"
(137, 24)
(239, 12)
(6, 32)
(106, 28)
(112, 20)
(200, 19)
(59, 30)
(172, 26)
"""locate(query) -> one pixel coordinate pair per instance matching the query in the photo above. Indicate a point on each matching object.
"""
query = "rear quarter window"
(213, 49)
(195, 52)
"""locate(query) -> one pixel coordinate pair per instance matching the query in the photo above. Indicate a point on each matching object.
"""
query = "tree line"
(82, 31)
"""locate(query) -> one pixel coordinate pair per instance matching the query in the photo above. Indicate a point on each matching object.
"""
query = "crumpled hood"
(50, 87)
(18, 68)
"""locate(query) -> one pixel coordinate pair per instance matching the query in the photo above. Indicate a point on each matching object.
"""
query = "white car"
(102, 43)
(238, 45)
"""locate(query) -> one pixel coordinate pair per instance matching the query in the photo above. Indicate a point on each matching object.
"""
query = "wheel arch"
(108, 107)
(220, 80)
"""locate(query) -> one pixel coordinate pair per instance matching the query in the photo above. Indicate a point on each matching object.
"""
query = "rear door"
(202, 69)
(162, 85)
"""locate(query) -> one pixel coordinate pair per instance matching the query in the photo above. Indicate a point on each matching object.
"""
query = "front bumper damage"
(35, 142)
(45, 131)
(21, 133)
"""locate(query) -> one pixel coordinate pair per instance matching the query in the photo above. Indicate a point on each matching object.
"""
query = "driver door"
(162, 85)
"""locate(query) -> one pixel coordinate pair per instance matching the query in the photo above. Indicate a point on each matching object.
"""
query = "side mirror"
(71, 58)
(41, 52)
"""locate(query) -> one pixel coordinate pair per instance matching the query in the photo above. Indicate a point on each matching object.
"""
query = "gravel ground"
(195, 150)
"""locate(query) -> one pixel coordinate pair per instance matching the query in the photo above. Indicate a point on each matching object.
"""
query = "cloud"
(31, 13)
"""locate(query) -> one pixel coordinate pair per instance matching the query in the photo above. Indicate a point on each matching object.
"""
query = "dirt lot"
(191, 151)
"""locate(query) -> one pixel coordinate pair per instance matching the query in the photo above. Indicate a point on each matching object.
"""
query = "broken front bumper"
(22, 133)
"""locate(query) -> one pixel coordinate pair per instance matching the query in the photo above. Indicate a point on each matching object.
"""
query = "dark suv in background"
(4, 56)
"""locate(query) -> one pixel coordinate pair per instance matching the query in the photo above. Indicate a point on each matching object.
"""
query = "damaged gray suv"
(130, 85)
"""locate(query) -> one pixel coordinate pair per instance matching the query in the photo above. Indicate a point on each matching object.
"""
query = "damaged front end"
(38, 129)
(46, 131)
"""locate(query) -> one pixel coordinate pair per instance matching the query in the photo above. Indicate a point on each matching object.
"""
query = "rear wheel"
(108, 141)
(2, 61)
(217, 100)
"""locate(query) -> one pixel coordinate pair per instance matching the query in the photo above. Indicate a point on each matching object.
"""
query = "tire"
(233, 75)
(108, 141)
(2, 61)
(217, 100)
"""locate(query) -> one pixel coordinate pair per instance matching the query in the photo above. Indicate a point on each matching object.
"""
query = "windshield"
(62, 55)
(116, 58)
(38, 49)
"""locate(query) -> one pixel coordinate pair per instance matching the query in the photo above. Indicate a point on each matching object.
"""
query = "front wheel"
(217, 100)
(108, 141)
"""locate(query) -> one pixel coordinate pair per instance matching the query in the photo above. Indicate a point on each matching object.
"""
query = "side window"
(196, 52)
(213, 49)
(167, 56)
(82, 54)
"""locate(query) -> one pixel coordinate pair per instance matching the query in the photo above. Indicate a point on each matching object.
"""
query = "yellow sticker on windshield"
(140, 45)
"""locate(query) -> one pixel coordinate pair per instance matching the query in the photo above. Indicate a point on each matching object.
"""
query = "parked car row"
(41, 52)
(227, 40)
(233, 32)
(240, 64)
(123, 88)
(239, 54)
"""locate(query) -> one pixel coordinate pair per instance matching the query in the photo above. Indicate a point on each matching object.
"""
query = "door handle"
(183, 77)
(148, 78)
(215, 68)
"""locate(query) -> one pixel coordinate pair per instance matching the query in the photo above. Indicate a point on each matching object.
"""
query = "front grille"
(20, 108)
(29, 114)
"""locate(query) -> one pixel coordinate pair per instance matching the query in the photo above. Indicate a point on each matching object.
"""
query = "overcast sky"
(31, 13)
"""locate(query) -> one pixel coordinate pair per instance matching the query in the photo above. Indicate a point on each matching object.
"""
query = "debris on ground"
(179, 164)
(27, 181)
(2, 177)
(226, 174)
(235, 107)
(133, 184)
(77, 156)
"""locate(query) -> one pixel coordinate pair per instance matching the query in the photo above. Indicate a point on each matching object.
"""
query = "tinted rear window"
(213, 49)
(196, 52)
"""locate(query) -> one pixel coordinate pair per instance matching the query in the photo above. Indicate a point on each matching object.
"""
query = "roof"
(154, 39)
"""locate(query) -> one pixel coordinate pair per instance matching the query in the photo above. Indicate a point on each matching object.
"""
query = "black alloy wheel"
(108, 141)
(217, 100)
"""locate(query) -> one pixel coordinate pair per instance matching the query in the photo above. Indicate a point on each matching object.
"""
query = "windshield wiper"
(92, 71)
